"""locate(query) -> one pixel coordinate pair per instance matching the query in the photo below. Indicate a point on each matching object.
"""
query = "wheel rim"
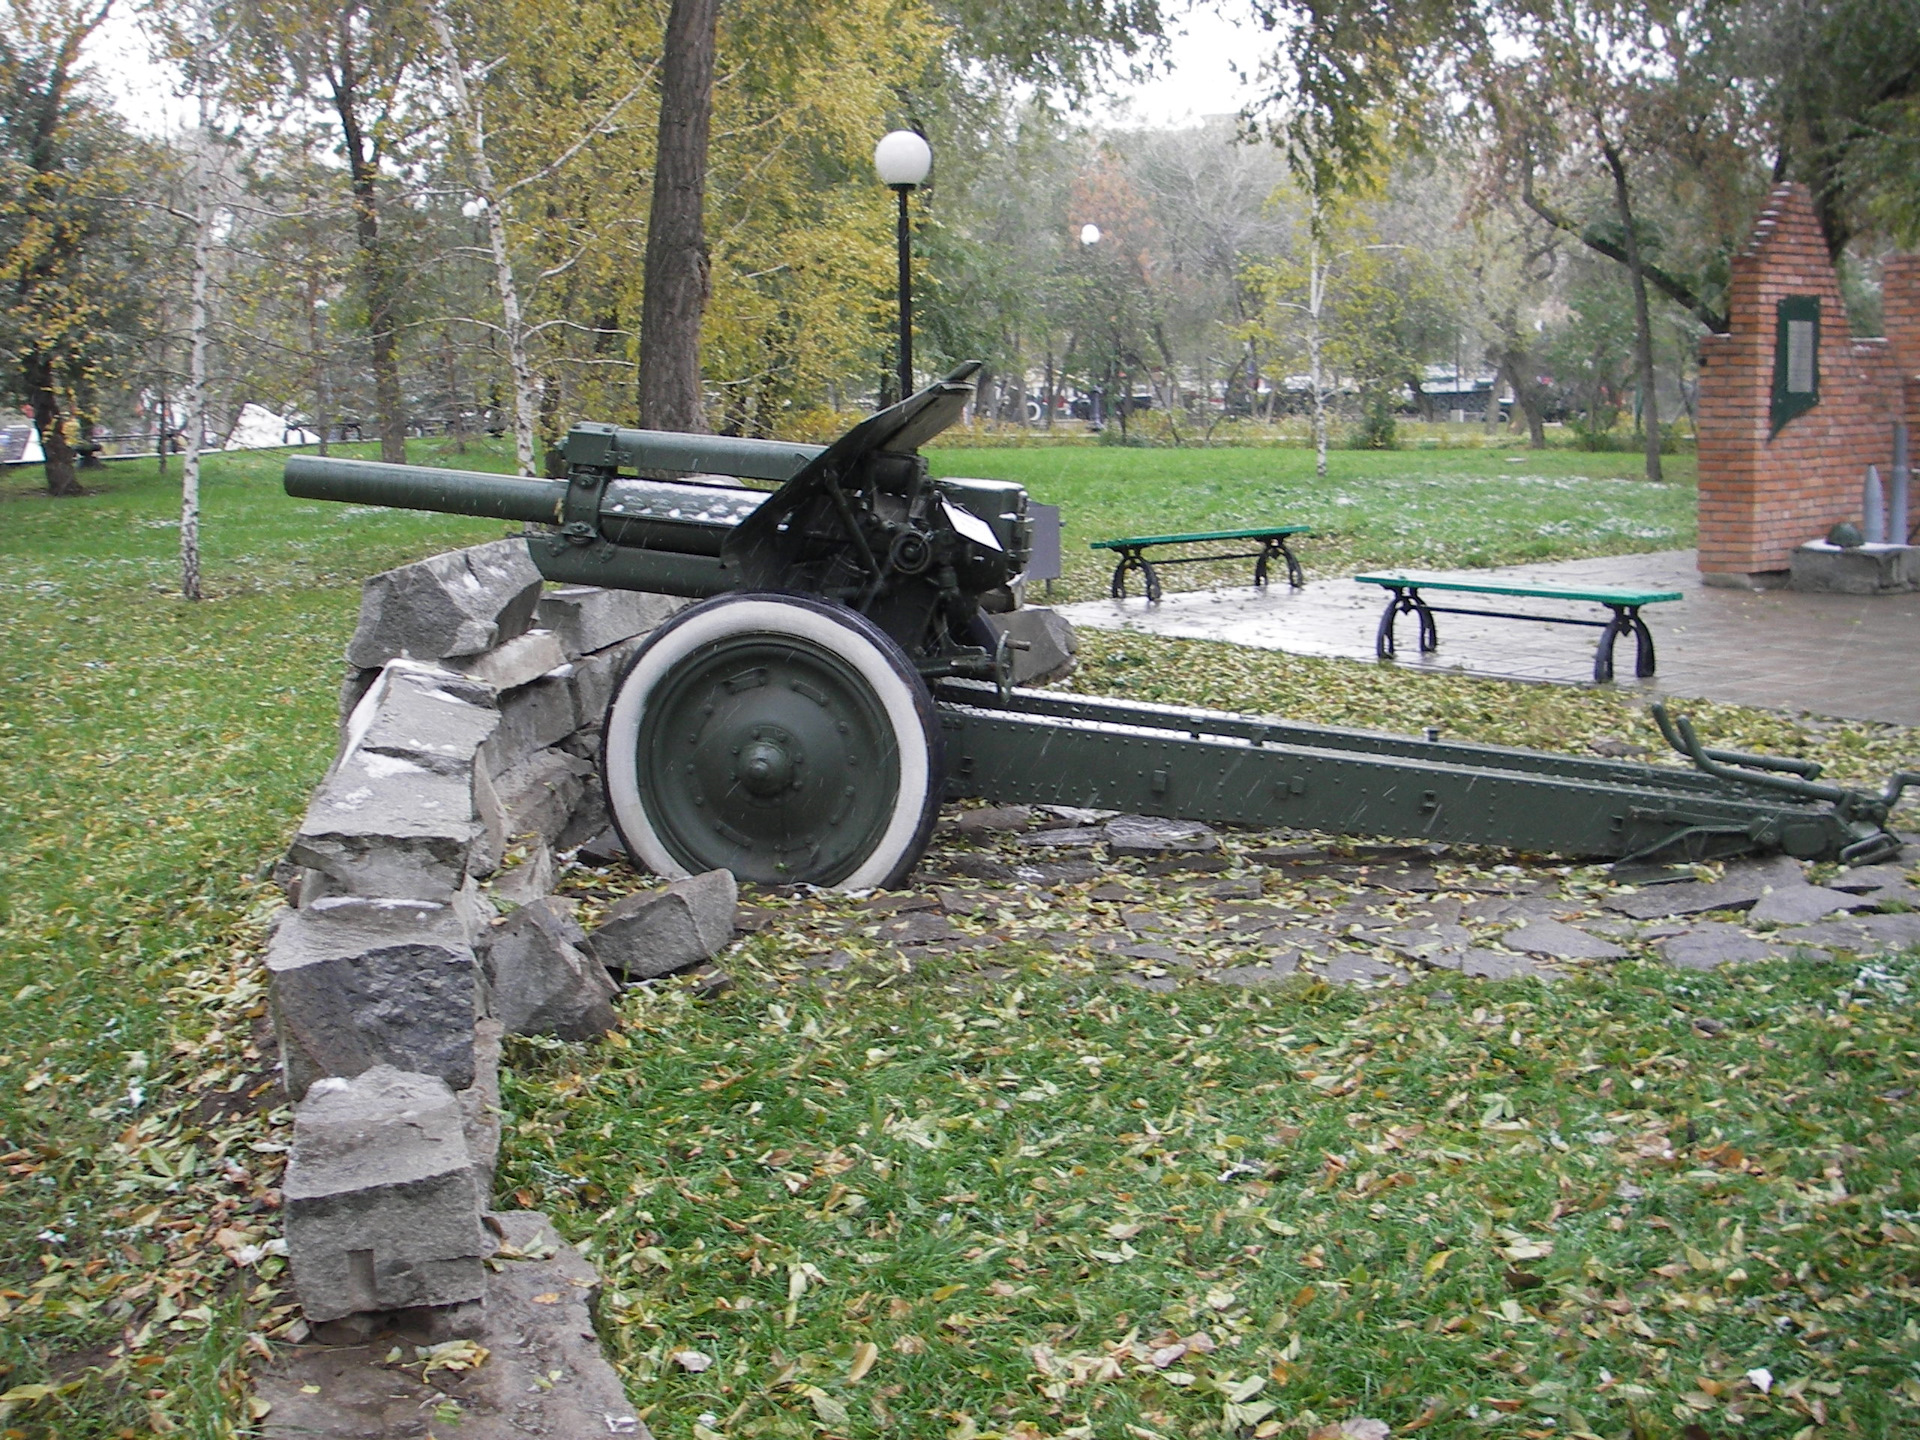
(781, 739)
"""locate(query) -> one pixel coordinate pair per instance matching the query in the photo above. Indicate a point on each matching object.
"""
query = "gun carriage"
(839, 679)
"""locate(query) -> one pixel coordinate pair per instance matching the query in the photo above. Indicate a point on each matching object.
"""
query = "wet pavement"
(1854, 657)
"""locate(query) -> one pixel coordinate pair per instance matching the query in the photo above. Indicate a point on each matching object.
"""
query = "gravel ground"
(1162, 904)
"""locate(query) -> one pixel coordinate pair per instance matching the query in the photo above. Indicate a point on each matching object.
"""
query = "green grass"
(1589, 1209)
(158, 754)
(1406, 507)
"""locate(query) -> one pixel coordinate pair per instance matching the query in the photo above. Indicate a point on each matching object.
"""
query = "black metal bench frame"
(1625, 619)
(1132, 554)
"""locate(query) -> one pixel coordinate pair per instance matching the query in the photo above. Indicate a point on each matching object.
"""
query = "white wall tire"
(777, 736)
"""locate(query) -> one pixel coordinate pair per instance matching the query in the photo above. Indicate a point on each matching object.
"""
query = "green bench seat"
(1132, 552)
(1623, 605)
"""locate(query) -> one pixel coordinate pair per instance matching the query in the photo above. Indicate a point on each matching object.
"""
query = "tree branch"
(1674, 289)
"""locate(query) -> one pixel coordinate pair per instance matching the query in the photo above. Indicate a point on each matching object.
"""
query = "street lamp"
(1089, 237)
(902, 160)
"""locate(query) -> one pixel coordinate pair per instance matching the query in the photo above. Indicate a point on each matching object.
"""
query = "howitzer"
(803, 723)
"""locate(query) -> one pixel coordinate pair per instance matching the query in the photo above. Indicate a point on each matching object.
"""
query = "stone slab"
(539, 981)
(1048, 640)
(538, 797)
(1250, 975)
(532, 718)
(1802, 904)
(381, 1201)
(356, 984)
(587, 618)
(594, 677)
(1483, 964)
(1557, 941)
(480, 1107)
(1150, 835)
(386, 826)
(455, 604)
(424, 714)
(1711, 944)
(527, 879)
(516, 662)
(1743, 883)
(1861, 934)
(1864, 878)
(543, 1376)
(656, 932)
(994, 820)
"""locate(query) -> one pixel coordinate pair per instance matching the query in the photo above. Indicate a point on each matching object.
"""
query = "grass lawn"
(158, 755)
(1637, 1203)
(1399, 507)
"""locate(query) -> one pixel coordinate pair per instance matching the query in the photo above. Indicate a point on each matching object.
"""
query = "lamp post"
(1089, 237)
(902, 160)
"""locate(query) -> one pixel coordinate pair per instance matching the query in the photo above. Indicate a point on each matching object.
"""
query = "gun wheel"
(782, 738)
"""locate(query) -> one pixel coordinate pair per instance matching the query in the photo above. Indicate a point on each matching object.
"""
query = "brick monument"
(1793, 410)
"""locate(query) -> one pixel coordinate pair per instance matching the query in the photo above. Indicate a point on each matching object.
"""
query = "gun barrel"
(421, 487)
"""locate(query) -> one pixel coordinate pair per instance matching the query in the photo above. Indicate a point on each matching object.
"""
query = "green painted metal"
(614, 447)
(422, 487)
(1796, 360)
(771, 757)
(1261, 534)
(1423, 580)
(1202, 765)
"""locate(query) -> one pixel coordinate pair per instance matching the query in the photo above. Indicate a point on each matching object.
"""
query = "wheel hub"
(769, 764)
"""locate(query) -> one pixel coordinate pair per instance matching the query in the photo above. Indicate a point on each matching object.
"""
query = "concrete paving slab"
(1848, 656)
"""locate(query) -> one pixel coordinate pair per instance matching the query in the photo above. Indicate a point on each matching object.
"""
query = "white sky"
(1200, 79)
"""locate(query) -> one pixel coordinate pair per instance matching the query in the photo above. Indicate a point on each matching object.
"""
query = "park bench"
(1624, 606)
(1132, 552)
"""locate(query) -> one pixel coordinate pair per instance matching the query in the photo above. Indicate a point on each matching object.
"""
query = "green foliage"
(1377, 428)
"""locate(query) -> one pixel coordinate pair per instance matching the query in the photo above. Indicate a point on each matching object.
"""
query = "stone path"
(1849, 656)
(1254, 908)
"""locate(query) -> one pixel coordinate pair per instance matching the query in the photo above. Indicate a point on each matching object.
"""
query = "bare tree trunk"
(674, 301)
(1525, 400)
(376, 265)
(203, 182)
(47, 419)
(475, 135)
(322, 400)
(1642, 320)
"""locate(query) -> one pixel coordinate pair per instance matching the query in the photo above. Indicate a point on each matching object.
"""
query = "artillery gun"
(839, 679)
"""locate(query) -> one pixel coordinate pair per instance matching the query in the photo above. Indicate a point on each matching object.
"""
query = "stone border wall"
(470, 721)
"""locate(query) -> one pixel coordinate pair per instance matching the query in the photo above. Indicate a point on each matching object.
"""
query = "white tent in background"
(258, 428)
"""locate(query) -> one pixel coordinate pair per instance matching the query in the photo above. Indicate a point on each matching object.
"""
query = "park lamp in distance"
(902, 159)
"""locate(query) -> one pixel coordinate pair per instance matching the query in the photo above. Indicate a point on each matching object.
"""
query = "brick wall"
(1761, 495)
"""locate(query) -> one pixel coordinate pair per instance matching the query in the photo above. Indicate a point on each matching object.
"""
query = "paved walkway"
(1852, 656)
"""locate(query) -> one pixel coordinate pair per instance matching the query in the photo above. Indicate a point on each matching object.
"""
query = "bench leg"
(1152, 577)
(1626, 621)
(1134, 560)
(1268, 550)
(1643, 659)
(1406, 602)
(1603, 652)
